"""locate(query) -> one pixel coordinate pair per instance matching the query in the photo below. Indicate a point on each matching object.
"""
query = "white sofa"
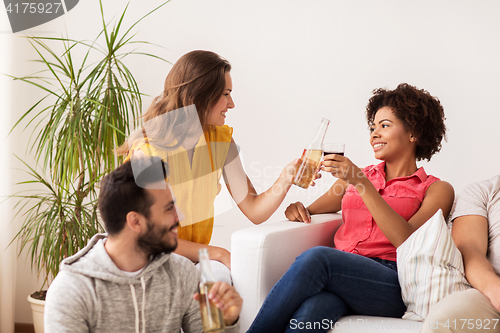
(260, 255)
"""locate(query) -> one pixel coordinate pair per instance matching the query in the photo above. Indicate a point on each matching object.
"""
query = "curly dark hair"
(421, 114)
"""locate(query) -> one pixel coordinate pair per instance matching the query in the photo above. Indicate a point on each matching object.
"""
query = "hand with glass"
(333, 148)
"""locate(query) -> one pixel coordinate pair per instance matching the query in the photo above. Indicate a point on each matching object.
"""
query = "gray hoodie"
(91, 294)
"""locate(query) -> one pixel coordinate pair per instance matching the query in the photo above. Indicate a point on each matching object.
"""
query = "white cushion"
(430, 267)
(369, 324)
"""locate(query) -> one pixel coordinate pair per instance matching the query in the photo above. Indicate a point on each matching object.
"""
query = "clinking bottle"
(211, 316)
(310, 157)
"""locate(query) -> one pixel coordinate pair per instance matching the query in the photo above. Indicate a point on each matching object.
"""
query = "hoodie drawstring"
(136, 307)
(143, 284)
(134, 299)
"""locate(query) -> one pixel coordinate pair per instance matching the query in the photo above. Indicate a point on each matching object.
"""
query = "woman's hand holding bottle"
(288, 172)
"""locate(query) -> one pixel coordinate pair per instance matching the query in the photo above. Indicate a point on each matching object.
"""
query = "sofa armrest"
(260, 255)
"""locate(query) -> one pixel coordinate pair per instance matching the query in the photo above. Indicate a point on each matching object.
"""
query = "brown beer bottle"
(211, 316)
(311, 157)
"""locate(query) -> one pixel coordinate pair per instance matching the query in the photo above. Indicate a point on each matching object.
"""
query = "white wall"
(7, 255)
(295, 62)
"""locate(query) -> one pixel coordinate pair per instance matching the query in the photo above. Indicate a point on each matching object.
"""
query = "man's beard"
(153, 241)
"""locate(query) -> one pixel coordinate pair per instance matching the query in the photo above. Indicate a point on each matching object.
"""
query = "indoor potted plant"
(87, 112)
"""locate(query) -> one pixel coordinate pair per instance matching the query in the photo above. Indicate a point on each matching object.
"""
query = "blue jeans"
(324, 284)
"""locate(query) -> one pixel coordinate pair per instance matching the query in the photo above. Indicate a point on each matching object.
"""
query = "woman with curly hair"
(382, 205)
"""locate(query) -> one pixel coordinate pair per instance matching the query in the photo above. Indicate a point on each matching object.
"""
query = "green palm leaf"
(85, 115)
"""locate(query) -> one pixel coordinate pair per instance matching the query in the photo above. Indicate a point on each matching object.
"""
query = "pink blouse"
(360, 234)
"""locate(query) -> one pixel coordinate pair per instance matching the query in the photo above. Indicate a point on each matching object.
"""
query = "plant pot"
(37, 308)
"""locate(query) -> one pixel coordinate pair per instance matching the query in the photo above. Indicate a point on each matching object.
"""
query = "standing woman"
(185, 126)
(382, 205)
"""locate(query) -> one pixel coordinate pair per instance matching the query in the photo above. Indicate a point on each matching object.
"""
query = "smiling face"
(389, 139)
(161, 234)
(217, 115)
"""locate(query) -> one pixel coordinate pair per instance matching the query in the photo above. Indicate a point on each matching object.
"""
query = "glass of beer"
(333, 148)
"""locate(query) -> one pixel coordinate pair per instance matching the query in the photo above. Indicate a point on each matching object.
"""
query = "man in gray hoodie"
(128, 280)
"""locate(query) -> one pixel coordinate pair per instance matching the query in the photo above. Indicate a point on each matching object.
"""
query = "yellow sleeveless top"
(195, 185)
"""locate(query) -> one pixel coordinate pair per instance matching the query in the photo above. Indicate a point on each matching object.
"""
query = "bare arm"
(470, 233)
(257, 207)
(330, 202)
(190, 250)
(439, 195)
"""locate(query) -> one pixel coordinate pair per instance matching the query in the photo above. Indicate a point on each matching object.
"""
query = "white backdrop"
(294, 62)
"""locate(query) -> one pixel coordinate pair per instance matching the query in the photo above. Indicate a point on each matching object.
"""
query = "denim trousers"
(324, 284)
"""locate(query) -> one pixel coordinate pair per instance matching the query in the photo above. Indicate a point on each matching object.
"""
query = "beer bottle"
(211, 316)
(310, 157)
